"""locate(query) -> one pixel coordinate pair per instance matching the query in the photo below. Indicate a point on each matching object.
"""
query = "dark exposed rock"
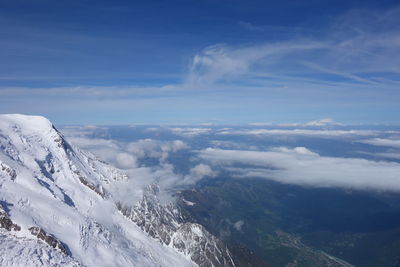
(6, 222)
(60, 141)
(84, 181)
(49, 239)
(8, 170)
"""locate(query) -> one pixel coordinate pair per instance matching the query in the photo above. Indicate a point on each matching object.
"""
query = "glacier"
(60, 207)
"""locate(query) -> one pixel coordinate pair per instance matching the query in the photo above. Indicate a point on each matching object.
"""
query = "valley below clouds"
(312, 156)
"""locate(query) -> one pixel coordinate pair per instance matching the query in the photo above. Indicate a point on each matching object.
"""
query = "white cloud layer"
(386, 155)
(154, 148)
(189, 132)
(301, 166)
(125, 161)
(127, 156)
(201, 170)
(302, 132)
(383, 142)
(298, 166)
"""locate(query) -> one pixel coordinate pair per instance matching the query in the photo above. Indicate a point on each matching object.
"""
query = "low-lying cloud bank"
(147, 161)
(189, 132)
(128, 155)
(302, 132)
(301, 166)
(383, 142)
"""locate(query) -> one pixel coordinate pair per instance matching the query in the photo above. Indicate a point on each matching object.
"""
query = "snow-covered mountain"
(323, 122)
(59, 207)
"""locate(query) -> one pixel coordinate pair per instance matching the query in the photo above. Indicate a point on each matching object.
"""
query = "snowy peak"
(63, 198)
(29, 123)
(323, 122)
(68, 200)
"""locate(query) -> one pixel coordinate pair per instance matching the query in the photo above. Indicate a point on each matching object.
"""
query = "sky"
(222, 62)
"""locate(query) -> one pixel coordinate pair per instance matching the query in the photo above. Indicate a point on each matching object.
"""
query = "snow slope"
(17, 252)
(67, 194)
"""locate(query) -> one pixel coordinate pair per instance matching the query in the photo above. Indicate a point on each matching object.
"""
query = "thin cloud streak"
(303, 132)
(383, 142)
(347, 50)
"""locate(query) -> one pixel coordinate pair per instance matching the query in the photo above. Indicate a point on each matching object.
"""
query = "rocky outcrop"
(85, 182)
(49, 239)
(204, 248)
(167, 224)
(6, 222)
(10, 172)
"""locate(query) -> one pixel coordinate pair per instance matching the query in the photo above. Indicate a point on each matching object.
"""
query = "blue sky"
(123, 62)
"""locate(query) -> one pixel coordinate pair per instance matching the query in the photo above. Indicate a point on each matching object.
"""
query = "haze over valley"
(200, 133)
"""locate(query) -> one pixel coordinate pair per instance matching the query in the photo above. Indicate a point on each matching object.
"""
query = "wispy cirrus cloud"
(361, 46)
(226, 63)
(91, 91)
(351, 65)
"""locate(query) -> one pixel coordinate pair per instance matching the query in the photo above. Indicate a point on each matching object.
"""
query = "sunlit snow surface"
(17, 252)
(48, 190)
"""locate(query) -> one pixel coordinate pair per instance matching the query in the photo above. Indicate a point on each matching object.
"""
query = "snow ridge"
(58, 203)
